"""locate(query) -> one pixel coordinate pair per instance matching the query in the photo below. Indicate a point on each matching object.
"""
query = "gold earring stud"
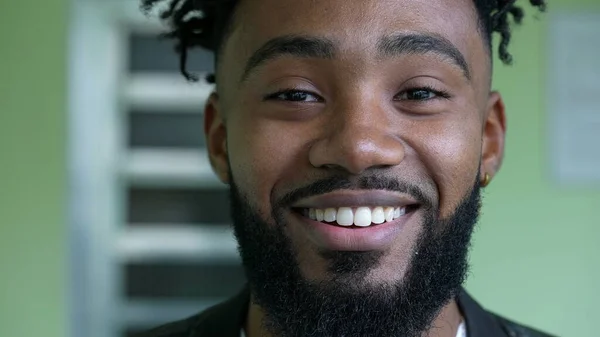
(486, 180)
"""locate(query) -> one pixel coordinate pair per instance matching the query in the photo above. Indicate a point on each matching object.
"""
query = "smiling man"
(355, 137)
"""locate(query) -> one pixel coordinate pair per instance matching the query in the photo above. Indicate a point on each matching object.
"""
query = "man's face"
(364, 111)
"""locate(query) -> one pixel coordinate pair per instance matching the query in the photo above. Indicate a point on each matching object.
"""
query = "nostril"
(332, 167)
(354, 151)
(380, 167)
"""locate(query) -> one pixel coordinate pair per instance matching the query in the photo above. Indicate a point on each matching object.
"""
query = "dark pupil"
(418, 94)
(297, 96)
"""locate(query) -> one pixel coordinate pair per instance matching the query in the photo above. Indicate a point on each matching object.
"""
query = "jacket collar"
(480, 323)
(227, 318)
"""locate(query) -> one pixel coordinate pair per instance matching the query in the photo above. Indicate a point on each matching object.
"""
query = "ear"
(494, 133)
(216, 138)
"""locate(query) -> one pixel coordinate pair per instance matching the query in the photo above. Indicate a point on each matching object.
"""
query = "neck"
(254, 326)
(444, 325)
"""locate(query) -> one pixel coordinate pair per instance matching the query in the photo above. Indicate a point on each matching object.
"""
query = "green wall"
(33, 233)
(535, 252)
(536, 255)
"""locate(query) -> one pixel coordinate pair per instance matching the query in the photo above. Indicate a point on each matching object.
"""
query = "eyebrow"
(389, 46)
(293, 45)
(399, 44)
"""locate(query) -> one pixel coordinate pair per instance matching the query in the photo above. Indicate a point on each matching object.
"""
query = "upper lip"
(356, 198)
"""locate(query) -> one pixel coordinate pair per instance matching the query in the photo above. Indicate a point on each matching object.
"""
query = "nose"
(358, 137)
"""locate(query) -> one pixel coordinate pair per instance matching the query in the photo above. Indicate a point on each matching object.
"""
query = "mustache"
(339, 182)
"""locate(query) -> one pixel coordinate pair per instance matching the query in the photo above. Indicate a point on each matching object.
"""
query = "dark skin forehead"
(354, 35)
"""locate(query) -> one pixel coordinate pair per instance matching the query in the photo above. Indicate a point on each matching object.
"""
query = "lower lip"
(337, 238)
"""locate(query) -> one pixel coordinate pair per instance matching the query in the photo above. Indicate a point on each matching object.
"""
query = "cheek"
(263, 153)
(452, 153)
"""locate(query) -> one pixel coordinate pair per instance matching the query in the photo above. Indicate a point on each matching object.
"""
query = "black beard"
(294, 306)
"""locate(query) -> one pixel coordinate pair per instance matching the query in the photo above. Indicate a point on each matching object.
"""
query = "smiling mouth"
(358, 217)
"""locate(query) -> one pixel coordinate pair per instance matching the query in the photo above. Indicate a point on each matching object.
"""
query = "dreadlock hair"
(206, 23)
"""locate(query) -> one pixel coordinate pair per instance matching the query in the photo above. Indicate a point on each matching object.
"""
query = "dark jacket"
(226, 320)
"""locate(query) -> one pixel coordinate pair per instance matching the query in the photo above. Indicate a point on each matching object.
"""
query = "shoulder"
(222, 320)
(483, 323)
(513, 329)
(182, 328)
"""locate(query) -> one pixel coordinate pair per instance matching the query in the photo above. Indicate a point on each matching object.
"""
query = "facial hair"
(295, 306)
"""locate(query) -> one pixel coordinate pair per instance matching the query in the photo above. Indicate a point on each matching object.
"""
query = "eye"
(421, 94)
(293, 95)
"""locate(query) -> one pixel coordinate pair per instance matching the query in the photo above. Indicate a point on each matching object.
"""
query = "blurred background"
(111, 220)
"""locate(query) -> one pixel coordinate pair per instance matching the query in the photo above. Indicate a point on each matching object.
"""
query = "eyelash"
(438, 93)
(291, 91)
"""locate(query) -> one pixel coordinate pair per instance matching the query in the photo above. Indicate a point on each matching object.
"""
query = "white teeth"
(319, 214)
(345, 216)
(330, 214)
(362, 217)
(389, 213)
(402, 211)
(377, 215)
